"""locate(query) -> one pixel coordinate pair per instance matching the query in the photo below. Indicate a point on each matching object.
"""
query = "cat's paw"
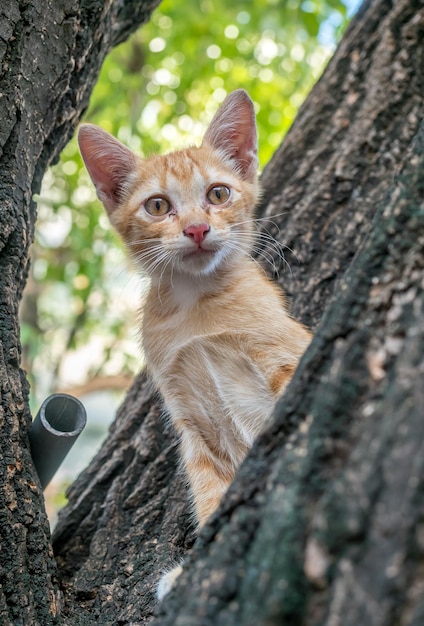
(167, 581)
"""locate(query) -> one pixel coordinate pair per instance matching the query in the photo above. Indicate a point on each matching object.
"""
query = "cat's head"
(188, 211)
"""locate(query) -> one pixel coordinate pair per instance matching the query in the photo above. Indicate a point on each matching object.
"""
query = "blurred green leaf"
(158, 92)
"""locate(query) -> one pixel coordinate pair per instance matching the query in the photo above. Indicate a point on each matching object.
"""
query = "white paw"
(167, 581)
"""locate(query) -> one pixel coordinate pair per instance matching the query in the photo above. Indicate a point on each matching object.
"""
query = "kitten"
(217, 337)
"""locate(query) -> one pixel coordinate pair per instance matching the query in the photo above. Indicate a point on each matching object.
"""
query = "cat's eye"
(157, 206)
(218, 194)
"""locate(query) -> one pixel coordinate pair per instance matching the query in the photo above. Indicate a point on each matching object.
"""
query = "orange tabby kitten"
(218, 340)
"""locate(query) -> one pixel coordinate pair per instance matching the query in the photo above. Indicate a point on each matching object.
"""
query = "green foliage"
(178, 68)
(158, 92)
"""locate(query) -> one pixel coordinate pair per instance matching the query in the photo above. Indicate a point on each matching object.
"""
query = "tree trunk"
(323, 524)
(50, 53)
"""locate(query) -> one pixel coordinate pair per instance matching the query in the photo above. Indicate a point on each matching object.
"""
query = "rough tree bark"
(50, 54)
(323, 524)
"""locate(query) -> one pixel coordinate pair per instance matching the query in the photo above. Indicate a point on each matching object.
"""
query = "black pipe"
(56, 427)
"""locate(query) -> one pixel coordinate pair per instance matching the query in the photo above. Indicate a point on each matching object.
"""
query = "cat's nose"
(197, 232)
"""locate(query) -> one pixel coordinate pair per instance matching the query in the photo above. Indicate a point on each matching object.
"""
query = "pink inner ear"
(108, 162)
(233, 132)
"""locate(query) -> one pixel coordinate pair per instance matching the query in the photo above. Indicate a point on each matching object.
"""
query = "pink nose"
(197, 232)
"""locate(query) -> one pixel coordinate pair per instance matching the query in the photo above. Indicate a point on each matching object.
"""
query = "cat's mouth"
(198, 252)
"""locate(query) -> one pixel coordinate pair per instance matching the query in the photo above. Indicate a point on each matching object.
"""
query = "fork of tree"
(324, 521)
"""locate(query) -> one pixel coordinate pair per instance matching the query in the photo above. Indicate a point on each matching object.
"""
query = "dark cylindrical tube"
(57, 425)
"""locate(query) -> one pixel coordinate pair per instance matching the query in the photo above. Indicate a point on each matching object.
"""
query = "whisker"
(263, 240)
(171, 258)
(233, 246)
(267, 257)
(148, 240)
(151, 261)
(255, 220)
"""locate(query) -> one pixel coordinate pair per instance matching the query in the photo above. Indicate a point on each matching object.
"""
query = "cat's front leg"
(209, 475)
(209, 479)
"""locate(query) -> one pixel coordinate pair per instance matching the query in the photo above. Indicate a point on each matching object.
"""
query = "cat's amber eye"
(157, 206)
(218, 194)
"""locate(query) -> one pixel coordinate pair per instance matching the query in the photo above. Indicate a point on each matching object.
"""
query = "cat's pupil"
(218, 194)
(158, 205)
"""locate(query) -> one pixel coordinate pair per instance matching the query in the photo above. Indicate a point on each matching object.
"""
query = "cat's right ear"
(109, 163)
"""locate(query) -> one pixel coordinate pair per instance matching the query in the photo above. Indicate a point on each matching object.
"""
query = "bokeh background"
(156, 92)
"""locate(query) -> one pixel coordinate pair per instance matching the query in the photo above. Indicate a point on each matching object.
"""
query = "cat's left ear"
(233, 133)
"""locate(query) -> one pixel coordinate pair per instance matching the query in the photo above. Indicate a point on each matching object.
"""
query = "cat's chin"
(201, 261)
